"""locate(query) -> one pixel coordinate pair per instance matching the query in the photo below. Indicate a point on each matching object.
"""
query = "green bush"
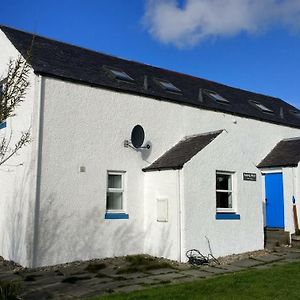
(9, 290)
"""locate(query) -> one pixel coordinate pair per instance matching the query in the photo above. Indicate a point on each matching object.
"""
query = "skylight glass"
(262, 107)
(168, 86)
(217, 97)
(295, 113)
(121, 75)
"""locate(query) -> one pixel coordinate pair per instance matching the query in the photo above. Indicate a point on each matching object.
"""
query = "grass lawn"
(278, 282)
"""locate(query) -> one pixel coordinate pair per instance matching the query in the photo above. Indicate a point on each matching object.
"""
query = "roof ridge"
(141, 63)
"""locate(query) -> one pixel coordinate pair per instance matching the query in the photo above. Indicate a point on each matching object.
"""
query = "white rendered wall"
(200, 224)
(85, 126)
(289, 181)
(17, 175)
(162, 238)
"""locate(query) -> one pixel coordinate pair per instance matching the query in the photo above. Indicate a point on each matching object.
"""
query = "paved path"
(82, 280)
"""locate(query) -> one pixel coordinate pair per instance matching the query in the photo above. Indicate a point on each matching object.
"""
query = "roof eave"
(162, 169)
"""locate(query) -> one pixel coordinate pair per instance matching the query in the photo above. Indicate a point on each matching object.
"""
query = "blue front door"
(274, 200)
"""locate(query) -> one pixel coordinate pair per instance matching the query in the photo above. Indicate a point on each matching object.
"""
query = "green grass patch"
(142, 263)
(278, 282)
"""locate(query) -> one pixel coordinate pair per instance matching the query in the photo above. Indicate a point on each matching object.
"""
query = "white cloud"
(196, 20)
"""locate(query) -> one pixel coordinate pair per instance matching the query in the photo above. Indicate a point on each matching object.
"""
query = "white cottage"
(79, 192)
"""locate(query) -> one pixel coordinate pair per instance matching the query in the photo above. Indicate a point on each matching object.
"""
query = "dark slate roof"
(285, 154)
(182, 152)
(77, 64)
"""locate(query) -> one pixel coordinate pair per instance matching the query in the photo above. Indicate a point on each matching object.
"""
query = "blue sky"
(253, 47)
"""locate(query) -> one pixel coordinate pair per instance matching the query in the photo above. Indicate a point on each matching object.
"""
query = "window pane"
(170, 86)
(114, 201)
(121, 75)
(219, 98)
(224, 200)
(114, 181)
(224, 182)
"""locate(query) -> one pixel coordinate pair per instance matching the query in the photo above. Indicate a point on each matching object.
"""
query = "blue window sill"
(2, 125)
(227, 216)
(116, 216)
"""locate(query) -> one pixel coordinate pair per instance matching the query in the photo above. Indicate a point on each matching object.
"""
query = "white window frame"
(116, 190)
(232, 191)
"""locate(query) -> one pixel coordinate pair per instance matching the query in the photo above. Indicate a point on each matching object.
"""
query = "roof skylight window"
(217, 97)
(295, 112)
(168, 86)
(261, 107)
(120, 75)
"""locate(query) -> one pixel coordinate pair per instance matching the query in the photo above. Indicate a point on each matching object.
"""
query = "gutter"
(40, 104)
(179, 218)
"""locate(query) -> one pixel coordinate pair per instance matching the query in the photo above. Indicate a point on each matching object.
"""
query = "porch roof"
(182, 152)
(285, 154)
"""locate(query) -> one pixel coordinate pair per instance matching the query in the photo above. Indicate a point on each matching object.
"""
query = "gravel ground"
(120, 261)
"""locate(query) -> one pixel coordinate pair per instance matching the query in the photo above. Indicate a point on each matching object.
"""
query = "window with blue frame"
(225, 206)
(2, 125)
(115, 196)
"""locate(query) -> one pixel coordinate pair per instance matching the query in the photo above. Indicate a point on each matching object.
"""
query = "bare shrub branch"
(13, 90)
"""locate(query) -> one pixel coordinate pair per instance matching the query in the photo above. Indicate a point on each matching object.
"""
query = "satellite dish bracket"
(128, 144)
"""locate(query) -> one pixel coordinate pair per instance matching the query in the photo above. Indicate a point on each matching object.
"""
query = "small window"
(217, 97)
(261, 107)
(224, 192)
(2, 125)
(168, 86)
(119, 74)
(115, 192)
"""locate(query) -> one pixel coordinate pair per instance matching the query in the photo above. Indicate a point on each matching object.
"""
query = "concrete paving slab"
(166, 277)
(247, 263)
(161, 271)
(78, 291)
(214, 270)
(129, 288)
(268, 258)
(187, 279)
(133, 275)
(145, 281)
(110, 271)
(232, 268)
(292, 255)
(94, 282)
(104, 286)
(196, 273)
(49, 292)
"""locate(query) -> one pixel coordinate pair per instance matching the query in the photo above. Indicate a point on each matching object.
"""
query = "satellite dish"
(137, 136)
